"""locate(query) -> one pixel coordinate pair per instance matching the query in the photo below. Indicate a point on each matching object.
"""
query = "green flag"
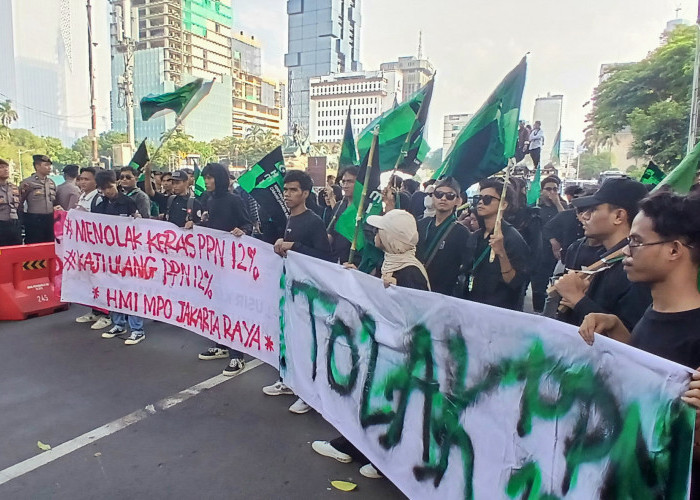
(265, 183)
(345, 225)
(652, 175)
(410, 159)
(488, 140)
(556, 149)
(348, 153)
(182, 101)
(199, 186)
(395, 126)
(533, 193)
(682, 178)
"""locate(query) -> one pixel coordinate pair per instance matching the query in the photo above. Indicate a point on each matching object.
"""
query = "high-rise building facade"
(416, 72)
(365, 94)
(43, 50)
(323, 38)
(548, 111)
(178, 41)
(257, 101)
(452, 126)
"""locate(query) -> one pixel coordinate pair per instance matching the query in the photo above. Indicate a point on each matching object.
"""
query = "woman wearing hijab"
(397, 236)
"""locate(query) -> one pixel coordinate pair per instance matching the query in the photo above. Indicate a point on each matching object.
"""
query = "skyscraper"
(178, 41)
(416, 72)
(548, 111)
(324, 38)
(43, 49)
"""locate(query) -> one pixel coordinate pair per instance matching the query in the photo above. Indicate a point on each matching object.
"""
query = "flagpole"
(167, 136)
(499, 216)
(363, 196)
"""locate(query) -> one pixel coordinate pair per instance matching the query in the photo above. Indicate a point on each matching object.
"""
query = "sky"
(473, 45)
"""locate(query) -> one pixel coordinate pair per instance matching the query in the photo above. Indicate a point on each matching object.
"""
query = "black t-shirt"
(121, 205)
(565, 228)
(410, 277)
(161, 200)
(227, 212)
(673, 336)
(177, 213)
(308, 233)
(580, 254)
(488, 286)
(452, 253)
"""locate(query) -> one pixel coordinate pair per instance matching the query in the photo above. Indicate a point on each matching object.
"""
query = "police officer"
(39, 191)
(10, 230)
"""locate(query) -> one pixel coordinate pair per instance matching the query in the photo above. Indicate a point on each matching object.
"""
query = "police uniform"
(40, 195)
(10, 229)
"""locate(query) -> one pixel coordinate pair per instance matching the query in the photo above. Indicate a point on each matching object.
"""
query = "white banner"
(222, 287)
(452, 399)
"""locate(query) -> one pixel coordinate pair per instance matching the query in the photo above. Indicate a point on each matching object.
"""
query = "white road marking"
(74, 444)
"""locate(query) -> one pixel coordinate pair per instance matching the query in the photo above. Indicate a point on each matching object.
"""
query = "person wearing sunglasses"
(127, 183)
(607, 216)
(442, 241)
(549, 204)
(500, 283)
(663, 252)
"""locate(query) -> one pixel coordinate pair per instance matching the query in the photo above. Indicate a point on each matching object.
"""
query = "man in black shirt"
(115, 203)
(442, 241)
(664, 252)
(500, 283)
(183, 209)
(339, 243)
(305, 233)
(159, 197)
(224, 211)
(550, 204)
(607, 216)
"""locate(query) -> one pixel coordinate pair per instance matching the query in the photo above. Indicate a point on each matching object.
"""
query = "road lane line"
(74, 444)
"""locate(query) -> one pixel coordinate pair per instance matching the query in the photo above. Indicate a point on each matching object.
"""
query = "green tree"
(591, 165)
(7, 113)
(652, 97)
(105, 142)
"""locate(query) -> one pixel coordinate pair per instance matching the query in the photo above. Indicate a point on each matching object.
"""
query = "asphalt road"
(59, 380)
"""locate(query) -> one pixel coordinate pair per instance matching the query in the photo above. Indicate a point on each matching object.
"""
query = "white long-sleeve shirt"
(536, 138)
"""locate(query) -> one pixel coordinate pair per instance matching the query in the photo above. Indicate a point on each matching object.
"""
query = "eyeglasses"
(127, 177)
(633, 243)
(485, 199)
(440, 194)
(551, 189)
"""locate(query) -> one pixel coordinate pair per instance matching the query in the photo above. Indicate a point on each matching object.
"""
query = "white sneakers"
(102, 322)
(277, 389)
(326, 449)
(299, 407)
(87, 318)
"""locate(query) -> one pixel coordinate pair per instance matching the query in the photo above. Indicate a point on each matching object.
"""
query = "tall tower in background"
(45, 73)
(324, 38)
(548, 111)
(178, 41)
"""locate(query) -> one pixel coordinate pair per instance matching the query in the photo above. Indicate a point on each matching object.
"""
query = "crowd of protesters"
(616, 261)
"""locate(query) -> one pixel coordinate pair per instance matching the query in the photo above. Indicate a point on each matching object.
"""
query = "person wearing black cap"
(607, 216)
(10, 229)
(39, 191)
(183, 208)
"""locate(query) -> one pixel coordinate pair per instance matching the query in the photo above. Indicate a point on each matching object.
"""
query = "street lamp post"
(19, 155)
(109, 161)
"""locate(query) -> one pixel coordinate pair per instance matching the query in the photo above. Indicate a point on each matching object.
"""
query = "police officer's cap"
(41, 158)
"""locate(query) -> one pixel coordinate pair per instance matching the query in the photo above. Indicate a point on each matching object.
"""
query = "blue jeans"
(135, 322)
(232, 353)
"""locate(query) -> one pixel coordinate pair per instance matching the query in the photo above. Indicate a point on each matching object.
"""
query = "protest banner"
(59, 221)
(454, 399)
(209, 282)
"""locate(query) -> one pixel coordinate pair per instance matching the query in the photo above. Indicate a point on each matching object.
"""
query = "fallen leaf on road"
(42, 446)
(98, 454)
(343, 485)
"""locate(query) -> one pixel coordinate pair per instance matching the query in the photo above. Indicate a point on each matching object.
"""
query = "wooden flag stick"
(363, 196)
(499, 216)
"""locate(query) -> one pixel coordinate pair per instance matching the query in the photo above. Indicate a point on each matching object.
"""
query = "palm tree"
(7, 114)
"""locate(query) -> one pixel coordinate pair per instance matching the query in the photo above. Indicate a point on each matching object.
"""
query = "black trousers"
(10, 233)
(535, 155)
(540, 279)
(38, 228)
